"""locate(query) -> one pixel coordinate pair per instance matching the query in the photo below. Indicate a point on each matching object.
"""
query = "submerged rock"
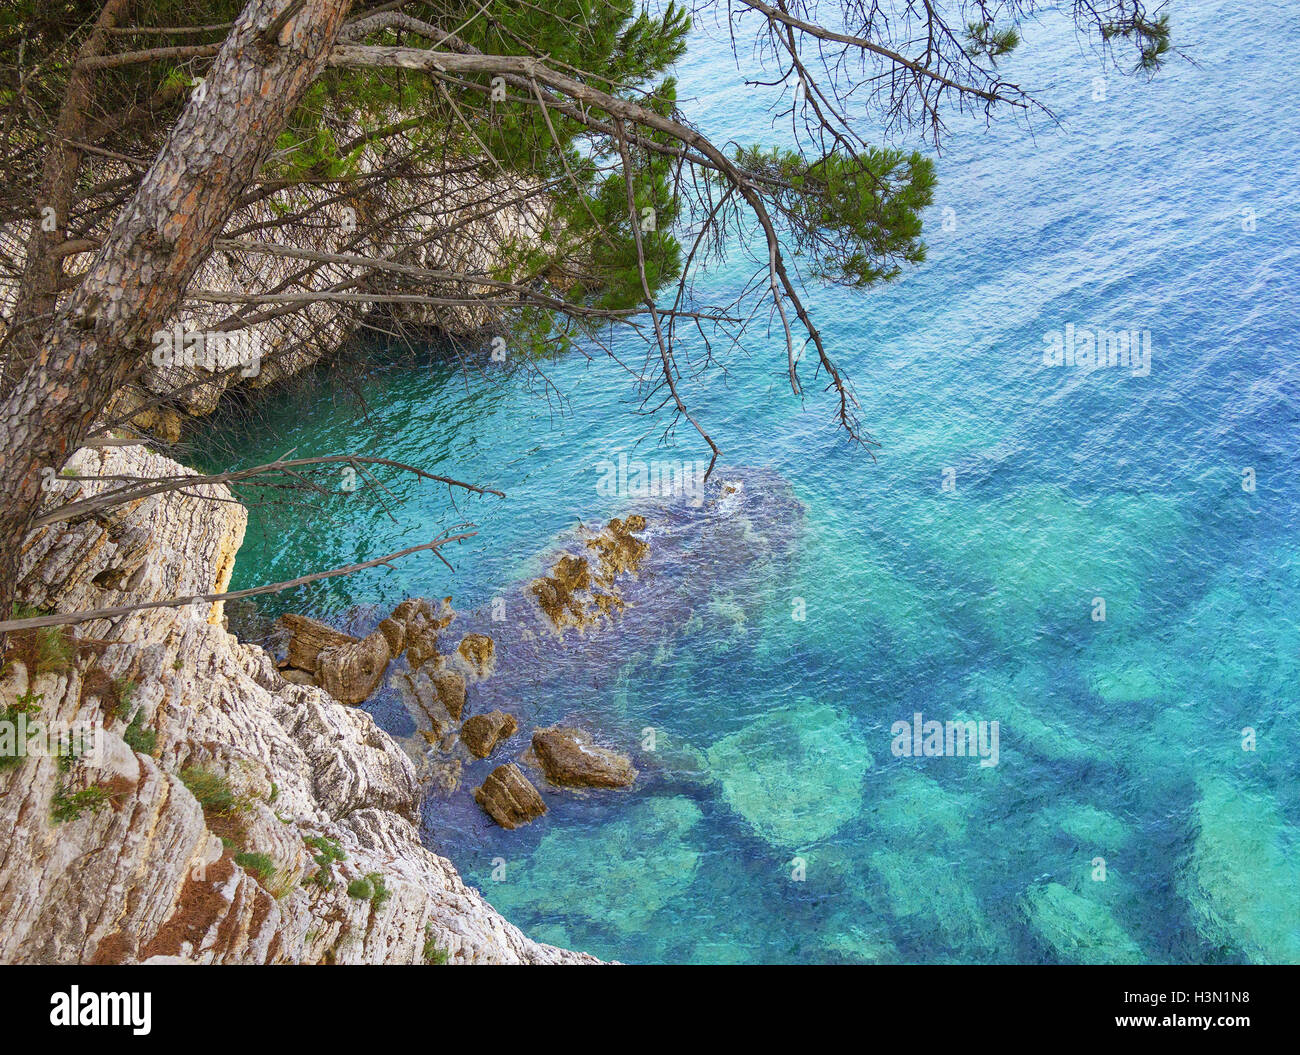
(420, 697)
(1079, 929)
(795, 775)
(569, 758)
(1037, 728)
(918, 810)
(1243, 880)
(483, 732)
(620, 874)
(439, 775)
(930, 896)
(1049, 552)
(1093, 827)
(848, 939)
(508, 798)
(678, 761)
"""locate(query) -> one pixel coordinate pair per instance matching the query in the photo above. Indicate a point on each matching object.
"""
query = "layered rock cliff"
(448, 224)
(224, 815)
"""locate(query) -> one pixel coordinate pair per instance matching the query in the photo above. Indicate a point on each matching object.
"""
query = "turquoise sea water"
(773, 821)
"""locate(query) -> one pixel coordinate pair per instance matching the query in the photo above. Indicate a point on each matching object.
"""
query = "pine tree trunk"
(42, 267)
(135, 283)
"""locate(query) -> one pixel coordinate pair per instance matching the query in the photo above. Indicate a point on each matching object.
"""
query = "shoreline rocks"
(479, 652)
(215, 742)
(570, 758)
(350, 673)
(574, 595)
(351, 668)
(481, 733)
(450, 688)
(509, 798)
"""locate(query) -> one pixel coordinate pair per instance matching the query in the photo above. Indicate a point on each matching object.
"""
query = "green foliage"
(327, 847)
(68, 761)
(44, 649)
(382, 893)
(68, 806)
(327, 853)
(1151, 36)
(25, 705)
(123, 689)
(983, 40)
(588, 254)
(433, 953)
(315, 151)
(213, 790)
(55, 650)
(138, 738)
(257, 864)
(857, 218)
(370, 888)
(223, 810)
(854, 216)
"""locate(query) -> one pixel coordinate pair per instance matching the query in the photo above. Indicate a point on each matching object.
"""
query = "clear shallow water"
(1119, 739)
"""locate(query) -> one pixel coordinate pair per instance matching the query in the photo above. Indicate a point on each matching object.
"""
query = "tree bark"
(136, 280)
(43, 263)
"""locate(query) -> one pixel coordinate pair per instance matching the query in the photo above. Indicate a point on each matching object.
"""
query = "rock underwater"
(1243, 878)
(595, 875)
(1079, 929)
(795, 775)
(539, 660)
(545, 650)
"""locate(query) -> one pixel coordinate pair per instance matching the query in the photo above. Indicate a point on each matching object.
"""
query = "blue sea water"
(1145, 804)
